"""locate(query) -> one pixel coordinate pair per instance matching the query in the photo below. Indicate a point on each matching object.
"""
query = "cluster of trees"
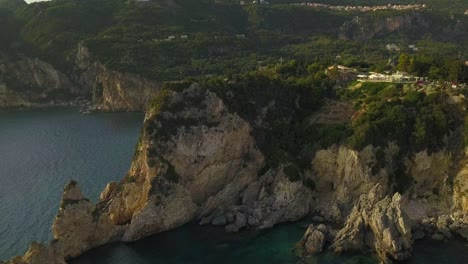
(9, 28)
(436, 68)
(414, 120)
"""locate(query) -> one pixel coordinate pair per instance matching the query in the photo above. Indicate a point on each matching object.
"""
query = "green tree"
(403, 62)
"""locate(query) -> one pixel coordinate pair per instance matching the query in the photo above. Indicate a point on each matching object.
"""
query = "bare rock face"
(341, 175)
(313, 241)
(79, 225)
(273, 198)
(460, 187)
(194, 158)
(28, 81)
(362, 28)
(376, 223)
(112, 90)
(446, 226)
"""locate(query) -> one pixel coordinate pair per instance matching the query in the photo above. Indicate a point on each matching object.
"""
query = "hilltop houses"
(397, 77)
(262, 2)
(363, 8)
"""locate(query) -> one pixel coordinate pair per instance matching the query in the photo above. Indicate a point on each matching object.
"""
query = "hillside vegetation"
(173, 39)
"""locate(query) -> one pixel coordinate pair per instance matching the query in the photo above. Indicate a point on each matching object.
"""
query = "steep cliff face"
(364, 28)
(28, 81)
(79, 225)
(433, 202)
(344, 174)
(377, 223)
(112, 90)
(460, 187)
(195, 161)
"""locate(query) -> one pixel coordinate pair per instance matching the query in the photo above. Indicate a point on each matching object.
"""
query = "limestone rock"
(314, 239)
(39, 254)
(377, 223)
(112, 90)
(345, 174)
(241, 220)
(79, 225)
(220, 220)
(110, 187)
(361, 29)
(31, 82)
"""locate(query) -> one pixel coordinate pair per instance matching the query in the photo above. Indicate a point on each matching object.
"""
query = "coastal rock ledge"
(198, 160)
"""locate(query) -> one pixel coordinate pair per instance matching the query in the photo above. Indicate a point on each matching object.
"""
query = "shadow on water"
(206, 244)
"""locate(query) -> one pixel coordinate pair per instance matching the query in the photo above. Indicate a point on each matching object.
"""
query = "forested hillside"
(174, 39)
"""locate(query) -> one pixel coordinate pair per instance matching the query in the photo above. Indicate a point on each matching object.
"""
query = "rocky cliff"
(32, 82)
(112, 90)
(360, 199)
(197, 160)
(365, 28)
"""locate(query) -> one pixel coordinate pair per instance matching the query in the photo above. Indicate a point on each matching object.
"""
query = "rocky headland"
(27, 82)
(198, 160)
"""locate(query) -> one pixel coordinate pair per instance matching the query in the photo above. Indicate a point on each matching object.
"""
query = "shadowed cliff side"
(29, 82)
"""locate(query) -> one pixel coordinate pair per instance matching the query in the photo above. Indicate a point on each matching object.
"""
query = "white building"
(393, 47)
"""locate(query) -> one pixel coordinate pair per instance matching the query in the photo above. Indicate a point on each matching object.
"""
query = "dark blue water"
(205, 245)
(201, 245)
(40, 151)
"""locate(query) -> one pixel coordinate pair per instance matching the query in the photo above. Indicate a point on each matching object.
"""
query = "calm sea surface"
(40, 151)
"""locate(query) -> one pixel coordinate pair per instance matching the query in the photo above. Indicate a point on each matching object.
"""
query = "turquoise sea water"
(40, 151)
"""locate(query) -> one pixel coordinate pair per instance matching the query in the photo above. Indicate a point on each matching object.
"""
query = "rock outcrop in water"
(376, 223)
